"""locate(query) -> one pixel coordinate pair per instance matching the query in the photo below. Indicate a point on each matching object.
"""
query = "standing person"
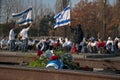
(77, 35)
(12, 39)
(24, 37)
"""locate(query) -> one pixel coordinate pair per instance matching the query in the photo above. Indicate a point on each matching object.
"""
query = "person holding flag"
(24, 18)
(24, 37)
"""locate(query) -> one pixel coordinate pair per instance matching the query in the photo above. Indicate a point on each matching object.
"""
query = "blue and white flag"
(63, 18)
(23, 17)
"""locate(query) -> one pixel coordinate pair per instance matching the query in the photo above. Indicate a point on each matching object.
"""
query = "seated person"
(110, 45)
(101, 46)
(4, 43)
(83, 45)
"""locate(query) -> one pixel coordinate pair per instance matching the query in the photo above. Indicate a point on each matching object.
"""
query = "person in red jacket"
(74, 49)
(39, 52)
(101, 45)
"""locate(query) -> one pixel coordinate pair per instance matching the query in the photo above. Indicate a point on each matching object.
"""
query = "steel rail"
(27, 73)
(93, 63)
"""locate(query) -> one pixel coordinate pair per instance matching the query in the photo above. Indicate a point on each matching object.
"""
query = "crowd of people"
(47, 46)
(93, 45)
(78, 43)
(90, 45)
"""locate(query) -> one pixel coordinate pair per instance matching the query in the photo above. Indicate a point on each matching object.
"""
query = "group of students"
(87, 45)
(23, 35)
(93, 45)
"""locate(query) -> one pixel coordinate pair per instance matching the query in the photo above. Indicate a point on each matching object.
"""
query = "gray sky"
(52, 2)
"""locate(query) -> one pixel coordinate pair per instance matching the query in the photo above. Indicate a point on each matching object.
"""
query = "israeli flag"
(23, 17)
(63, 18)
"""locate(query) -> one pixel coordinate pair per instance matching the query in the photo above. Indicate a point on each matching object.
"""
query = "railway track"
(99, 63)
(90, 62)
(27, 73)
(8, 72)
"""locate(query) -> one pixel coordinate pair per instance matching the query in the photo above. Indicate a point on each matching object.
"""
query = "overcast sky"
(52, 2)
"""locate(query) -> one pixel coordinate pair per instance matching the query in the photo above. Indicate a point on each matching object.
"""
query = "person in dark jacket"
(77, 35)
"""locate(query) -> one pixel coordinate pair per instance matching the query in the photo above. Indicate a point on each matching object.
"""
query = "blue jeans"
(25, 45)
(12, 45)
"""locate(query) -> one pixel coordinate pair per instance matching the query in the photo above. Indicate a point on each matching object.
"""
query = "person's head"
(12, 25)
(4, 37)
(116, 39)
(79, 25)
(109, 38)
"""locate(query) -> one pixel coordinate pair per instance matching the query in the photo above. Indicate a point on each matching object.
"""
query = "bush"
(39, 61)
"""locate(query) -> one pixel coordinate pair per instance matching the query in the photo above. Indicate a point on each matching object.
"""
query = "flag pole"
(63, 18)
(65, 27)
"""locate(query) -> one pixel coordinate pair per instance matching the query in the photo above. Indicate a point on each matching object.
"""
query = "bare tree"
(0, 17)
(118, 15)
(18, 5)
(0, 9)
(65, 3)
(8, 9)
(60, 5)
(11, 6)
(38, 13)
(48, 10)
(102, 7)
